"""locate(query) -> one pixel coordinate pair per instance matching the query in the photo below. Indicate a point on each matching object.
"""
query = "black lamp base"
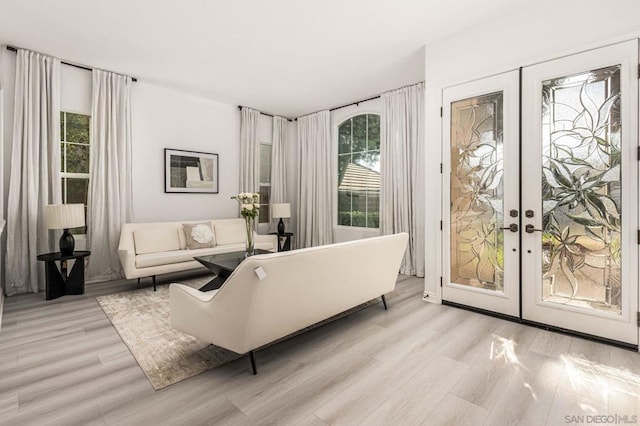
(281, 227)
(67, 243)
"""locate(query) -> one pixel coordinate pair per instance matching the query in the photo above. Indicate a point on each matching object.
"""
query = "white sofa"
(150, 249)
(300, 288)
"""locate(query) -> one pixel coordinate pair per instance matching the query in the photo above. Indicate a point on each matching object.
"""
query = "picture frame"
(190, 172)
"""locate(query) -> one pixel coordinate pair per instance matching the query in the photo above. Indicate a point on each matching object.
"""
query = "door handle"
(513, 227)
(530, 229)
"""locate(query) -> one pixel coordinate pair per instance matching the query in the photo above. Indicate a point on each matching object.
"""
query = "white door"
(579, 197)
(481, 187)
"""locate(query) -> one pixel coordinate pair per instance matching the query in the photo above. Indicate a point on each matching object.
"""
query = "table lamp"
(281, 210)
(65, 216)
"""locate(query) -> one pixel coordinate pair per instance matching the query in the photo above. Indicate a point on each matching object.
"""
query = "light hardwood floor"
(61, 362)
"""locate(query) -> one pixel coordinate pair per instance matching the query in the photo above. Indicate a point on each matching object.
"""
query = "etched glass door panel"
(581, 190)
(477, 191)
(580, 186)
(480, 200)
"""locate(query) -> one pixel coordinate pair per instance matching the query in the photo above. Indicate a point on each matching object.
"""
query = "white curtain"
(35, 169)
(279, 160)
(109, 204)
(402, 157)
(315, 206)
(249, 150)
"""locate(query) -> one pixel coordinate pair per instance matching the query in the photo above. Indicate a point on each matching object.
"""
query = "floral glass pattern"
(581, 190)
(477, 192)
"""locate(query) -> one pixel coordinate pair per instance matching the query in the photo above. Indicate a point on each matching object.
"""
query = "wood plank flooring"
(62, 362)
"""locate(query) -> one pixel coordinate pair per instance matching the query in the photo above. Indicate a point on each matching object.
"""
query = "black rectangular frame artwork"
(182, 159)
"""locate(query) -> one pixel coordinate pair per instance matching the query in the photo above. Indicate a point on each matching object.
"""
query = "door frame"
(534, 309)
(506, 303)
(633, 124)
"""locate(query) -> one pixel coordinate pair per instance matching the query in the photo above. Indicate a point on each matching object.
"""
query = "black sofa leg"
(154, 283)
(384, 302)
(138, 281)
(252, 358)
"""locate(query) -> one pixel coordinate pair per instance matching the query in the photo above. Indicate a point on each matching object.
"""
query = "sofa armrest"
(189, 310)
(128, 262)
(272, 239)
(127, 251)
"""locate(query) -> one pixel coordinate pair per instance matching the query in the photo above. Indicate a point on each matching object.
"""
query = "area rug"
(165, 355)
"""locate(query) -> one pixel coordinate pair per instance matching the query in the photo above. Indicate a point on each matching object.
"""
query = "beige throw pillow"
(198, 235)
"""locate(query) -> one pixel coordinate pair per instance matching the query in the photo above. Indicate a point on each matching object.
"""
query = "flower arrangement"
(249, 210)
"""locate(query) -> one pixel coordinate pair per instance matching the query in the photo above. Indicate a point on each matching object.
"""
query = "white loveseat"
(299, 288)
(150, 249)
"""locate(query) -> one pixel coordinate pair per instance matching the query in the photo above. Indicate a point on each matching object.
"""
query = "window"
(265, 182)
(74, 152)
(359, 171)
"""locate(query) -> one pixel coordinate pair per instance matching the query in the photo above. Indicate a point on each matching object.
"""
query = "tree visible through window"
(74, 152)
(359, 171)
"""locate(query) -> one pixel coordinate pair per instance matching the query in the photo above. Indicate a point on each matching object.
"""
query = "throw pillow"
(198, 235)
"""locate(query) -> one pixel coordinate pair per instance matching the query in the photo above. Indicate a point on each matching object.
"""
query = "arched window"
(359, 171)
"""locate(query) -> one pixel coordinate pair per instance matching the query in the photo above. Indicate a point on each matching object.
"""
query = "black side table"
(284, 240)
(58, 282)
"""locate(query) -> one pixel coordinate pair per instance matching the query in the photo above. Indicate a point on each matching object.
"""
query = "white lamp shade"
(281, 210)
(64, 216)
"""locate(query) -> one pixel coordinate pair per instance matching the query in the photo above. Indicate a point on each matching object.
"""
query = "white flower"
(201, 233)
(256, 206)
(247, 207)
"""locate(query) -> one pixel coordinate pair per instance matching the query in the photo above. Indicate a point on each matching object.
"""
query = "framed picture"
(190, 171)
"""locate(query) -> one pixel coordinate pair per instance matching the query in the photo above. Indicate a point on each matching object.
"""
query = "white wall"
(165, 118)
(347, 233)
(545, 31)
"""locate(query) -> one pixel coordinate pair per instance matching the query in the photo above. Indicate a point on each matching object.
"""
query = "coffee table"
(222, 264)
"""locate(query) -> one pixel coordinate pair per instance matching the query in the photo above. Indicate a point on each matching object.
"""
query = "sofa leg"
(384, 302)
(154, 282)
(138, 281)
(252, 358)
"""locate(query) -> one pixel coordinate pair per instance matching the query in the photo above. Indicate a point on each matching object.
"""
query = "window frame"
(73, 175)
(336, 155)
(266, 184)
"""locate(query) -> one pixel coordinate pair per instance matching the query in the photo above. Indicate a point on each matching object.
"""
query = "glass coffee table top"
(223, 264)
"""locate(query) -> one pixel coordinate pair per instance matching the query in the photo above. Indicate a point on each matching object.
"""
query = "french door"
(481, 196)
(573, 256)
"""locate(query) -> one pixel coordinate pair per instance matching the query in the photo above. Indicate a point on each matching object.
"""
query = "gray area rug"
(166, 355)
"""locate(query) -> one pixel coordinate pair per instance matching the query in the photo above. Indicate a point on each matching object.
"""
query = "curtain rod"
(266, 113)
(354, 103)
(344, 106)
(82, 67)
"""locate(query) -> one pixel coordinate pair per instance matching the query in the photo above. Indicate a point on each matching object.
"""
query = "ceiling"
(288, 57)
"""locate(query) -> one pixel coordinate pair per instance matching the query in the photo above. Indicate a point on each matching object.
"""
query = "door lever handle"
(530, 229)
(513, 227)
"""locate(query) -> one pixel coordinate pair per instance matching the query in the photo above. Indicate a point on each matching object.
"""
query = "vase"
(249, 241)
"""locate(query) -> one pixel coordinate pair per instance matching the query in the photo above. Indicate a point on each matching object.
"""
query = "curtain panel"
(35, 169)
(315, 196)
(402, 153)
(249, 150)
(279, 141)
(109, 204)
